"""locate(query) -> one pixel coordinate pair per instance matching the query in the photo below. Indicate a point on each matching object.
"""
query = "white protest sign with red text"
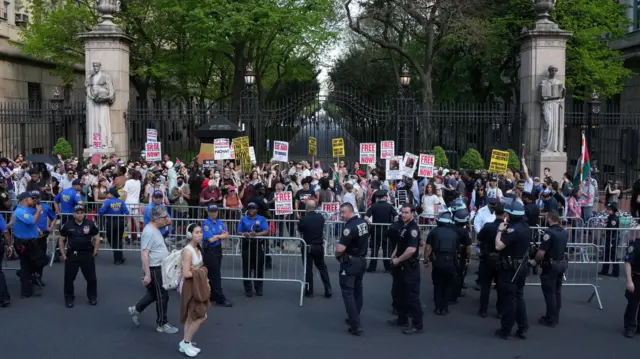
(283, 203)
(426, 165)
(280, 151)
(368, 154)
(387, 149)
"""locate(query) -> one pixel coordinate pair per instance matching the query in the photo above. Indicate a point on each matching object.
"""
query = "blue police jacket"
(47, 214)
(114, 206)
(25, 226)
(147, 212)
(3, 225)
(67, 199)
(212, 228)
(247, 224)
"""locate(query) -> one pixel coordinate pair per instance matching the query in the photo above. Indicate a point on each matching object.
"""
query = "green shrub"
(63, 147)
(472, 160)
(441, 159)
(514, 161)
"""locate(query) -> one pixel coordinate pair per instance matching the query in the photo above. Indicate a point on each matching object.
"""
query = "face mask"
(216, 175)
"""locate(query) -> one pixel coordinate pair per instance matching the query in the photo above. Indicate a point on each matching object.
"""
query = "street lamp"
(405, 76)
(249, 76)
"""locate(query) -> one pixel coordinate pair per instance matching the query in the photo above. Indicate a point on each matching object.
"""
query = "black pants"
(487, 273)
(4, 292)
(443, 282)
(631, 312)
(378, 239)
(212, 259)
(514, 309)
(114, 232)
(350, 278)
(635, 209)
(610, 254)
(42, 243)
(406, 284)
(30, 255)
(551, 283)
(253, 263)
(315, 255)
(461, 272)
(155, 293)
(84, 261)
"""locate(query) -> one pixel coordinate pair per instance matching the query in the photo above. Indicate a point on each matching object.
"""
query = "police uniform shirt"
(312, 226)
(435, 239)
(381, 212)
(355, 237)
(633, 256)
(516, 239)
(247, 224)
(487, 237)
(613, 221)
(463, 232)
(532, 212)
(113, 206)
(3, 226)
(211, 228)
(394, 232)
(302, 196)
(262, 203)
(25, 226)
(79, 235)
(554, 242)
(46, 215)
(410, 238)
(68, 199)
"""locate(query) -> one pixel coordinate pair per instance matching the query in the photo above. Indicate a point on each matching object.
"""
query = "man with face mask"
(178, 197)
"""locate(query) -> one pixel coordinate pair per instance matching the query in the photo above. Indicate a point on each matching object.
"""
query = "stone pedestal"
(541, 47)
(108, 44)
(88, 152)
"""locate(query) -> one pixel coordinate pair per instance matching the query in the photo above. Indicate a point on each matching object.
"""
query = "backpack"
(172, 270)
(568, 189)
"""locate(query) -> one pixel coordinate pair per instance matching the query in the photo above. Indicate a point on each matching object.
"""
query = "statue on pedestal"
(553, 93)
(100, 97)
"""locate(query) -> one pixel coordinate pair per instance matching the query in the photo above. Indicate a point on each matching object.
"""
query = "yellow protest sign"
(337, 147)
(241, 149)
(313, 149)
(499, 162)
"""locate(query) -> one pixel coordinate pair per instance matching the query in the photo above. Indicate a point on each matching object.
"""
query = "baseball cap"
(493, 201)
(613, 207)
(76, 183)
(231, 188)
(78, 207)
(113, 192)
(252, 205)
(212, 208)
(158, 194)
(35, 194)
(24, 195)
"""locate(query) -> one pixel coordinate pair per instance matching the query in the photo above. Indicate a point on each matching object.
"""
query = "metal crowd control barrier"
(582, 271)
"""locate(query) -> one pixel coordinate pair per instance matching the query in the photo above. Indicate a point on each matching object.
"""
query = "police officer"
(311, 226)
(80, 251)
(380, 214)
(632, 294)
(251, 226)
(461, 221)
(65, 201)
(115, 209)
(489, 259)
(26, 233)
(441, 250)
(512, 242)
(351, 251)
(393, 237)
(5, 245)
(45, 225)
(263, 210)
(611, 241)
(213, 233)
(405, 260)
(551, 256)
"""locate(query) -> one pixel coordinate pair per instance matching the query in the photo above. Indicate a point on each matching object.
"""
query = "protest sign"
(152, 135)
(393, 169)
(410, 162)
(313, 146)
(96, 141)
(283, 203)
(221, 150)
(331, 207)
(280, 151)
(426, 165)
(368, 154)
(153, 151)
(387, 149)
(499, 162)
(337, 147)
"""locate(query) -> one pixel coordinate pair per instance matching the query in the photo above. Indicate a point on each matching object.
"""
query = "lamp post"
(405, 137)
(405, 77)
(56, 105)
(594, 107)
(254, 110)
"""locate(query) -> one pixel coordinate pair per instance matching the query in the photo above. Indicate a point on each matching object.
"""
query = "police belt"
(552, 261)
(75, 251)
(635, 273)
(212, 248)
(512, 262)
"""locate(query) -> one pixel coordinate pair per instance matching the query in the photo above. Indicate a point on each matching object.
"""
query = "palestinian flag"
(583, 168)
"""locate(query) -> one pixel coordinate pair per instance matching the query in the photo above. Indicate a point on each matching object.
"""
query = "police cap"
(113, 192)
(613, 207)
(461, 215)
(445, 217)
(78, 208)
(24, 195)
(380, 193)
(515, 208)
(252, 205)
(493, 201)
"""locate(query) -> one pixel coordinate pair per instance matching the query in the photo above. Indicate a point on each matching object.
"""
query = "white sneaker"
(187, 349)
(193, 345)
(167, 328)
(135, 315)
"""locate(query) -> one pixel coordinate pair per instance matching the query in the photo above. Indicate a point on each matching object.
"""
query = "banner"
(283, 203)
(153, 151)
(280, 151)
(387, 149)
(337, 147)
(499, 162)
(152, 135)
(313, 148)
(409, 164)
(368, 154)
(426, 165)
(221, 150)
(393, 169)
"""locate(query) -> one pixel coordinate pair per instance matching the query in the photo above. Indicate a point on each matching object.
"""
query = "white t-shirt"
(132, 187)
(429, 203)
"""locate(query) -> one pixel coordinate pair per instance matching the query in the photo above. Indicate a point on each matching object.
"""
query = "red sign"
(96, 140)
(331, 207)
(387, 149)
(283, 196)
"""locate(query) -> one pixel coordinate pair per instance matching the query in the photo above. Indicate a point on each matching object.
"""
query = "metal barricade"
(582, 270)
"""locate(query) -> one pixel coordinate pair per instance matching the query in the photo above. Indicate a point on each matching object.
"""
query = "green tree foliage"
(514, 161)
(472, 160)
(63, 147)
(440, 155)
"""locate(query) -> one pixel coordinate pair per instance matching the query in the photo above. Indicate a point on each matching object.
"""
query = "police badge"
(85, 229)
(510, 230)
(206, 228)
(346, 232)
(414, 233)
(546, 237)
(613, 223)
(630, 249)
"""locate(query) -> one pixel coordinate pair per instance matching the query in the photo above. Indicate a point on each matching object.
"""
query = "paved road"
(274, 326)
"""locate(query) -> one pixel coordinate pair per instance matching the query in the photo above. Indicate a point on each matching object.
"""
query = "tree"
(440, 155)
(514, 161)
(472, 160)
(63, 147)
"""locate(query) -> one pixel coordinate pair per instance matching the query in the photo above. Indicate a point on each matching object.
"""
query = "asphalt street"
(274, 326)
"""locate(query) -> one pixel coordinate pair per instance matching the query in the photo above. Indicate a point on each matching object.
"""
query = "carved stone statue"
(100, 97)
(553, 93)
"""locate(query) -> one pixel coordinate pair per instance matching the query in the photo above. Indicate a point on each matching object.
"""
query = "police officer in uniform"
(213, 233)
(82, 247)
(405, 260)
(115, 209)
(311, 226)
(393, 237)
(26, 233)
(251, 226)
(351, 252)
(611, 241)
(379, 214)
(512, 242)
(632, 294)
(442, 251)
(461, 221)
(489, 259)
(45, 225)
(263, 210)
(552, 258)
